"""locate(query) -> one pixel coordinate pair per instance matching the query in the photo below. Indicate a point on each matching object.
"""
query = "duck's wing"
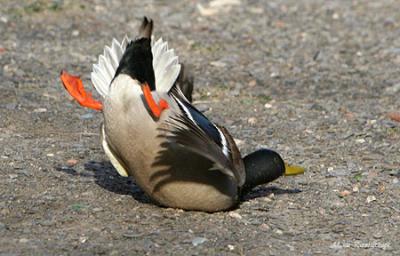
(165, 64)
(181, 131)
(235, 156)
(189, 128)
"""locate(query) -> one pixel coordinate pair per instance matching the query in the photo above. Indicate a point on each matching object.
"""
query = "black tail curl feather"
(137, 61)
(146, 29)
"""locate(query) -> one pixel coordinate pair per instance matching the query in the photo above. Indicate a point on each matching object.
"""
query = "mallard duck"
(152, 132)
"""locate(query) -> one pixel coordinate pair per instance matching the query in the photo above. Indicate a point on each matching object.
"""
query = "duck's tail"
(165, 62)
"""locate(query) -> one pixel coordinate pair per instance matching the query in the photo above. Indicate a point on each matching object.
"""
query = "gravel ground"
(314, 80)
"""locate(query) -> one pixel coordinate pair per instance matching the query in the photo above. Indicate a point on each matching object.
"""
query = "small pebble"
(291, 248)
(252, 120)
(218, 64)
(395, 180)
(72, 162)
(394, 116)
(336, 172)
(83, 239)
(100, 8)
(338, 204)
(393, 89)
(97, 209)
(11, 106)
(223, 3)
(335, 16)
(13, 176)
(280, 24)
(370, 199)
(23, 240)
(274, 75)
(50, 154)
(252, 83)
(75, 33)
(267, 105)
(267, 199)
(40, 110)
(198, 240)
(344, 193)
(255, 10)
(360, 141)
(235, 215)
(86, 116)
(231, 247)
(206, 11)
(3, 19)
(3, 226)
(131, 234)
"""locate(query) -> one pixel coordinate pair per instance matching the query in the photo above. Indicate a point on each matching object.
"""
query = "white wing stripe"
(186, 110)
(225, 149)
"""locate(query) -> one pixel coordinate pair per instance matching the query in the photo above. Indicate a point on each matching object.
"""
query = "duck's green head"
(265, 165)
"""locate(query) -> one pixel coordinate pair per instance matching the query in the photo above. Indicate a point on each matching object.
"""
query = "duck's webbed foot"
(155, 108)
(74, 86)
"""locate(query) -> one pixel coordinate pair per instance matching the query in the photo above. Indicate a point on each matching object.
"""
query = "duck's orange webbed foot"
(156, 109)
(74, 85)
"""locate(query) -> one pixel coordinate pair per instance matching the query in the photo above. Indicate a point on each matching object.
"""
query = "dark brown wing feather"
(236, 157)
(182, 131)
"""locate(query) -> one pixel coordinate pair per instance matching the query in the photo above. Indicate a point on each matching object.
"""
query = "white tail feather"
(165, 64)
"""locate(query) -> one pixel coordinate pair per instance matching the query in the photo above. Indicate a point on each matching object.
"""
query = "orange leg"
(155, 108)
(74, 85)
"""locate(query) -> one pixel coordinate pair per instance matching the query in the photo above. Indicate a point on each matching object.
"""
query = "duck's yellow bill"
(293, 170)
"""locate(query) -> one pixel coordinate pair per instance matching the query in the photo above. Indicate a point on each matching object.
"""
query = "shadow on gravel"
(266, 191)
(107, 177)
